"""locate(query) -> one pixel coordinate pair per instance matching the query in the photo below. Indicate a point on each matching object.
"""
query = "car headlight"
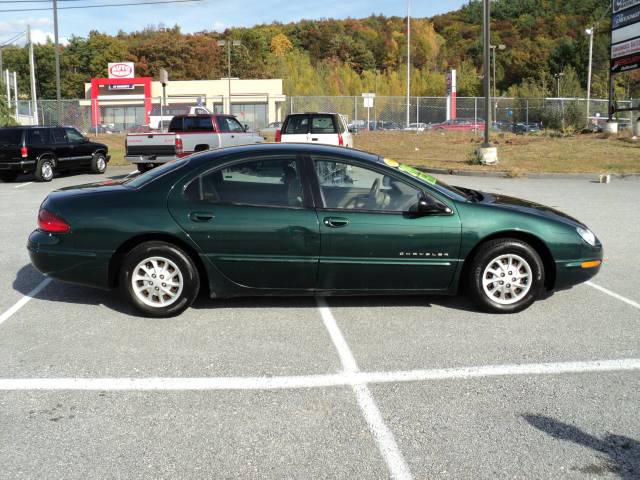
(587, 235)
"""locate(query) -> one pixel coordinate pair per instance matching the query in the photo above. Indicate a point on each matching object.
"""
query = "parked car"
(270, 130)
(521, 128)
(46, 150)
(416, 127)
(459, 125)
(187, 134)
(321, 128)
(296, 219)
(160, 117)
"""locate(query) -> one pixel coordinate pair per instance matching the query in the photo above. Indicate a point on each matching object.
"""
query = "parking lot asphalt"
(386, 387)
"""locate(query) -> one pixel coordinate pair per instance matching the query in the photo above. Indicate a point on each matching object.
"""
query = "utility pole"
(591, 32)
(32, 72)
(57, 57)
(408, 60)
(229, 43)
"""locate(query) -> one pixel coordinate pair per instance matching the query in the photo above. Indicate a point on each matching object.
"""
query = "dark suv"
(44, 150)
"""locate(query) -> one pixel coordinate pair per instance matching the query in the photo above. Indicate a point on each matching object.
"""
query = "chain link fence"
(387, 113)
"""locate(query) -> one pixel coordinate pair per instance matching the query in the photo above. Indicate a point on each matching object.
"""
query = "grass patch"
(519, 154)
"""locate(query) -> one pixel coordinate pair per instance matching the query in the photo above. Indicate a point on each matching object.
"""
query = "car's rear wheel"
(8, 176)
(99, 163)
(506, 276)
(160, 279)
(44, 170)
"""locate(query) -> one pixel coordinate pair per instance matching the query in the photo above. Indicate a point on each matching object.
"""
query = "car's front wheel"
(506, 276)
(159, 279)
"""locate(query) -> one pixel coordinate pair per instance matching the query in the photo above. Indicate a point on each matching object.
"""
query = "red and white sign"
(626, 48)
(452, 89)
(121, 70)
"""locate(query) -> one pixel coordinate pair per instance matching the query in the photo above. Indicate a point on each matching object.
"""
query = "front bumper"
(70, 265)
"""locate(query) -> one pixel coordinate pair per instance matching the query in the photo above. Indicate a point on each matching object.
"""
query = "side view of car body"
(299, 219)
(45, 150)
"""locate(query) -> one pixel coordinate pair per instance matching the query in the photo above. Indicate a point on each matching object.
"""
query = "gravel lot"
(302, 388)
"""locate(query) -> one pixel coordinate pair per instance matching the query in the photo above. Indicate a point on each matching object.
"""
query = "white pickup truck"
(187, 134)
(160, 117)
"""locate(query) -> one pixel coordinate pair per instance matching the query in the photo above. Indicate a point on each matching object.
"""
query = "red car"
(459, 125)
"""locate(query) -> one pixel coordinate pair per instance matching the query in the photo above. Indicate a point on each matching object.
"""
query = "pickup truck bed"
(187, 134)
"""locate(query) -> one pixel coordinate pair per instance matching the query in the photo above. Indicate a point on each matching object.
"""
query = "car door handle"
(335, 222)
(314, 139)
(200, 216)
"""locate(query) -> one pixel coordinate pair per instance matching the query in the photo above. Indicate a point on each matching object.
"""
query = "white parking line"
(614, 295)
(23, 301)
(316, 381)
(383, 436)
(23, 185)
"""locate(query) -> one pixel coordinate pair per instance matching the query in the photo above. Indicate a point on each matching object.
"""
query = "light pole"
(495, 95)
(590, 32)
(408, 60)
(558, 76)
(229, 43)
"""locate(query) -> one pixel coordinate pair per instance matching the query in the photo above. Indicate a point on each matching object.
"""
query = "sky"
(192, 17)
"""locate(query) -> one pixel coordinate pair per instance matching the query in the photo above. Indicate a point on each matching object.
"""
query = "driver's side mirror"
(427, 206)
(246, 127)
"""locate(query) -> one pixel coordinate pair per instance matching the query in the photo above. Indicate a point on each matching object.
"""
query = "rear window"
(176, 124)
(10, 136)
(198, 124)
(323, 124)
(297, 125)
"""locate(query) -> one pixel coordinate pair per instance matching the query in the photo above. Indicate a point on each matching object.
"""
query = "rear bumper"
(21, 166)
(149, 158)
(74, 266)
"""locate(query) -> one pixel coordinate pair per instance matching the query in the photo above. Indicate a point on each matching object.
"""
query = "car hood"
(525, 206)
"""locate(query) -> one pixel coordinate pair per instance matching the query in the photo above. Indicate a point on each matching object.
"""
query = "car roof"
(284, 148)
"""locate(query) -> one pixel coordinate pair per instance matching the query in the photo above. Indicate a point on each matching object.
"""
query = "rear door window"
(10, 136)
(38, 136)
(323, 124)
(58, 136)
(297, 125)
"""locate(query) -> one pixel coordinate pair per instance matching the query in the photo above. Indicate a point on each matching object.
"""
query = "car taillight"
(340, 140)
(278, 135)
(24, 152)
(179, 146)
(51, 223)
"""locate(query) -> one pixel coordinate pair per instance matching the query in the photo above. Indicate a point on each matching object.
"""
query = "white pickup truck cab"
(324, 128)
(187, 134)
(161, 117)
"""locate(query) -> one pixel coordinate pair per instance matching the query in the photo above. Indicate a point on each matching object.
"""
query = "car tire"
(144, 167)
(506, 276)
(8, 176)
(145, 265)
(44, 170)
(99, 163)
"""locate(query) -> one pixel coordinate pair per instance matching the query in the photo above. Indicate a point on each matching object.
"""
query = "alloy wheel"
(507, 279)
(157, 282)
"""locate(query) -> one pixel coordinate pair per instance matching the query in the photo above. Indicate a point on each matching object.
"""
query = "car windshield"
(144, 178)
(425, 177)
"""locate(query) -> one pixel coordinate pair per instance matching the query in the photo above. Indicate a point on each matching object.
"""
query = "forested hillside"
(347, 57)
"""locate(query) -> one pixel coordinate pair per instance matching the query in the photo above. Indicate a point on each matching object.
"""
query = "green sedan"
(297, 219)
